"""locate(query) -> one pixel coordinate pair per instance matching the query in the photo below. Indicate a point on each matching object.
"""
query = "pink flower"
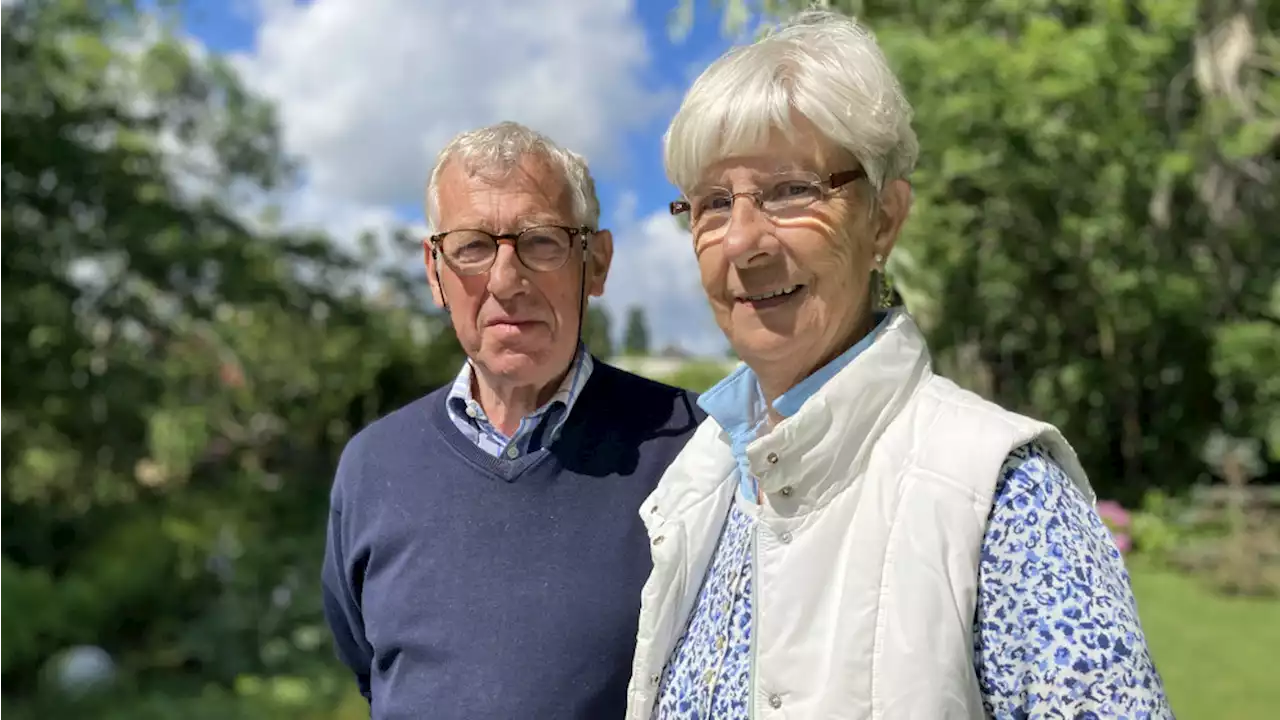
(1123, 544)
(1113, 514)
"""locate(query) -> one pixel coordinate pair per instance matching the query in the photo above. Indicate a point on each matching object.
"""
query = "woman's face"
(790, 287)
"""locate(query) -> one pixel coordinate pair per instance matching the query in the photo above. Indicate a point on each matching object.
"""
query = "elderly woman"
(849, 534)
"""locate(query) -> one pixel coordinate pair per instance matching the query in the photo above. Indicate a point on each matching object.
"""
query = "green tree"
(596, 333)
(636, 339)
(1093, 232)
(178, 376)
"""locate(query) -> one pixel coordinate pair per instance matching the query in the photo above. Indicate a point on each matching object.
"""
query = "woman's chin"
(761, 345)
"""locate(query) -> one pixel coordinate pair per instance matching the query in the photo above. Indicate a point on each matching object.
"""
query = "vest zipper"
(755, 614)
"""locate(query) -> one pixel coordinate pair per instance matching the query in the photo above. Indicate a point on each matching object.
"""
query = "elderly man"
(484, 555)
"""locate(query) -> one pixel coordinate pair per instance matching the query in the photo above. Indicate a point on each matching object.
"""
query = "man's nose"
(748, 238)
(506, 276)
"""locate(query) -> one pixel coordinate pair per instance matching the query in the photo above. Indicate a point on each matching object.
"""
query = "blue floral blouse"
(1056, 632)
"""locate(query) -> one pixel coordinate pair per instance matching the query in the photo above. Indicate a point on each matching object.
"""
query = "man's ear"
(433, 273)
(600, 249)
(894, 206)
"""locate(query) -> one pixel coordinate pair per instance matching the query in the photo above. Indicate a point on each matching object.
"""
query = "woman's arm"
(1057, 631)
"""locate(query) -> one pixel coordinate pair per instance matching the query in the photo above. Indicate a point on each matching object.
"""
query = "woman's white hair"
(824, 66)
(498, 149)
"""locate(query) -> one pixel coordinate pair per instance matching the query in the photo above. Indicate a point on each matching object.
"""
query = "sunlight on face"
(790, 290)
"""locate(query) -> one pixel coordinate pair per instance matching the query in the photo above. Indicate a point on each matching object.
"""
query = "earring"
(884, 288)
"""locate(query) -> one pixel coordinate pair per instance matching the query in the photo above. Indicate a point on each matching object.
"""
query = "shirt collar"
(737, 404)
(461, 402)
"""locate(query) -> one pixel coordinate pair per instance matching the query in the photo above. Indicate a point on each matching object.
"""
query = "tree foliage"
(597, 333)
(636, 339)
(1093, 238)
(179, 374)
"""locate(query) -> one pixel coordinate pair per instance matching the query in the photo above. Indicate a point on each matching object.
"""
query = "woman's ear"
(894, 206)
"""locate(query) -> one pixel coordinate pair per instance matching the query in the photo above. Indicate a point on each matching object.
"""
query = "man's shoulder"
(411, 418)
(382, 440)
(623, 389)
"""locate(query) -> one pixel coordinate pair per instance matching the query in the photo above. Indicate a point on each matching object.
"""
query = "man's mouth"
(509, 321)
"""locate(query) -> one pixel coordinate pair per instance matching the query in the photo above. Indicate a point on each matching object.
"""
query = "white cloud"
(369, 90)
(654, 267)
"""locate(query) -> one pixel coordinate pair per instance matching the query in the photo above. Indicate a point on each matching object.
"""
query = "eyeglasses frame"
(829, 186)
(501, 239)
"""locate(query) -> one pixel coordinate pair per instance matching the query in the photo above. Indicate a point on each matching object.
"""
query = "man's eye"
(715, 203)
(471, 250)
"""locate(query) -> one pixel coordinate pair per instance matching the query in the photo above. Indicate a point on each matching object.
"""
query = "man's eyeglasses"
(542, 249)
(778, 195)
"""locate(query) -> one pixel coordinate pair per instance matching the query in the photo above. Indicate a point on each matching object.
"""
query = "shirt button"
(772, 458)
(775, 701)
(786, 491)
(785, 537)
(512, 452)
(471, 411)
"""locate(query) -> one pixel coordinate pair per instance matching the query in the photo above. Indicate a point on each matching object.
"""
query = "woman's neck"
(777, 378)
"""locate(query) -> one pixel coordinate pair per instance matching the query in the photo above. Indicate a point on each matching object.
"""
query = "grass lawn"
(1217, 655)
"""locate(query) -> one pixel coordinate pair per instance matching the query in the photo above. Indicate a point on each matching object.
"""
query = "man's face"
(520, 327)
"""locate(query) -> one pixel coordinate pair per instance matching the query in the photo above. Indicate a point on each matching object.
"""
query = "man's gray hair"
(498, 149)
(821, 65)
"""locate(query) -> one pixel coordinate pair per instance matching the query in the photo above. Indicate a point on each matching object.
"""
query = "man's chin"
(518, 362)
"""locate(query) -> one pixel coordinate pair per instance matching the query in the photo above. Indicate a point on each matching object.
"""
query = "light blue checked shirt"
(536, 431)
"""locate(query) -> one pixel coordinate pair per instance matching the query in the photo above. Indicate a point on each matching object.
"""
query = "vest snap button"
(772, 458)
(654, 680)
(658, 540)
(785, 537)
(775, 701)
(786, 491)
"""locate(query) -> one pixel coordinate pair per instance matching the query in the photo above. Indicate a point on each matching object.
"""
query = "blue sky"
(369, 89)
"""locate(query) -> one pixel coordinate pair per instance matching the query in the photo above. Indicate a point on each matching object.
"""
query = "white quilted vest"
(875, 500)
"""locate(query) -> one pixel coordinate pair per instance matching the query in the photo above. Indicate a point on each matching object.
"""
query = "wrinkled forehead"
(502, 197)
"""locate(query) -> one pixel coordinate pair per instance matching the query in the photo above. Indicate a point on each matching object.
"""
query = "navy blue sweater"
(459, 585)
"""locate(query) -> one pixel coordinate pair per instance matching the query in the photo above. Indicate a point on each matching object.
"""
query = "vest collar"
(836, 425)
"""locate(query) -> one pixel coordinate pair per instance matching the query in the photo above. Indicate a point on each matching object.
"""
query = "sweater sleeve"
(340, 601)
(1057, 631)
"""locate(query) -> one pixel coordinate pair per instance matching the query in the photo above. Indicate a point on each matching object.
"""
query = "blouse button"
(786, 491)
(772, 458)
(775, 701)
